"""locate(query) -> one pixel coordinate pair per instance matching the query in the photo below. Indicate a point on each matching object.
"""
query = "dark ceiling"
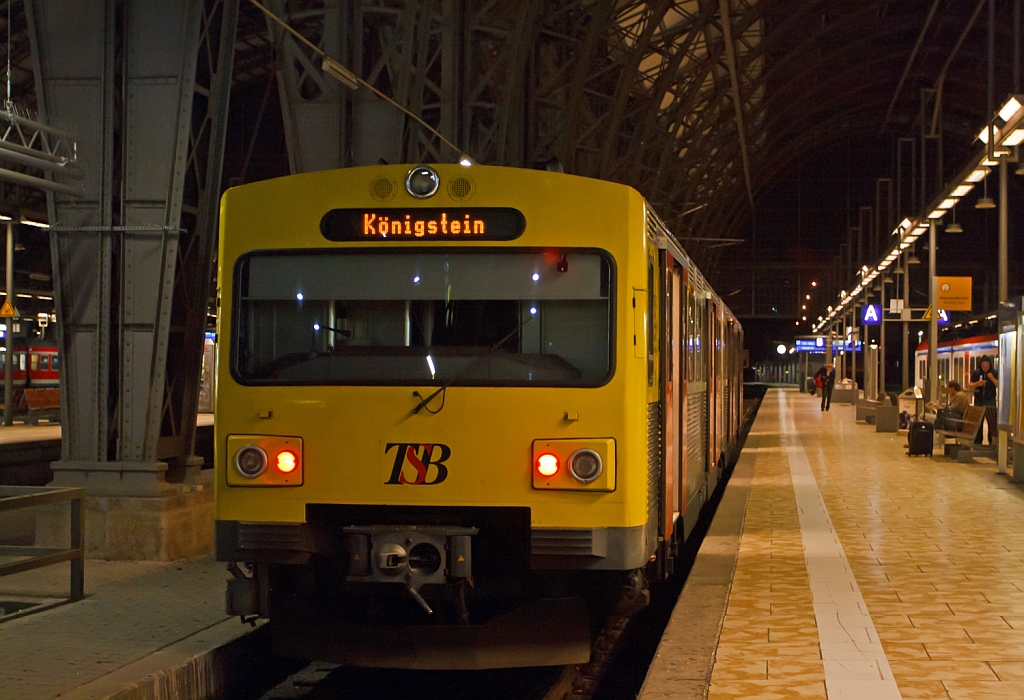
(771, 128)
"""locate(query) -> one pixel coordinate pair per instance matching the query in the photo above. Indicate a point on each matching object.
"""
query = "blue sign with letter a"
(871, 315)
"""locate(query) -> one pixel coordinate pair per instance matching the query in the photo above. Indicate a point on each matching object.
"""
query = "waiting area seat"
(883, 414)
(963, 432)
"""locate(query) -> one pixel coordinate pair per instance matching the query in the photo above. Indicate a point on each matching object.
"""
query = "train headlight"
(585, 465)
(574, 464)
(547, 464)
(251, 461)
(422, 182)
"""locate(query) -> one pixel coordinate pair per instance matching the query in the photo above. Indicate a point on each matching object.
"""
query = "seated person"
(957, 403)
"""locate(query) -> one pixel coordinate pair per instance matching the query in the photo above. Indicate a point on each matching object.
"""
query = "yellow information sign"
(954, 293)
(8, 310)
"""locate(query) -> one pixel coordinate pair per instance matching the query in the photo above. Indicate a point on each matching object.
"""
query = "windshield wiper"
(472, 365)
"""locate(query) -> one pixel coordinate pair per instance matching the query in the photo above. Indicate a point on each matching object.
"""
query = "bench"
(866, 408)
(966, 430)
(41, 403)
(884, 415)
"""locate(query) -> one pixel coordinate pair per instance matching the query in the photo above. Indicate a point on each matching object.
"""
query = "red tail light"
(547, 464)
(286, 461)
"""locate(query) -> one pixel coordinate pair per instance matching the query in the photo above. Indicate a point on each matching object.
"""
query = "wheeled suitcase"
(921, 438)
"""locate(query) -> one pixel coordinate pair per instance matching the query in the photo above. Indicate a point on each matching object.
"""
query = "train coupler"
(413, 555)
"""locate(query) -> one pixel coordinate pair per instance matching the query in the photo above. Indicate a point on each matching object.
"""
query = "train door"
(713, 395)
(671, 371)
(695, 411)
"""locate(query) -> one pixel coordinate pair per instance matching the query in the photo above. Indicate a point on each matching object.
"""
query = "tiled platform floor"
(138, 618)
(936, 549)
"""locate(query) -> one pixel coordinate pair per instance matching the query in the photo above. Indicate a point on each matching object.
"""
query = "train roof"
(960, 342)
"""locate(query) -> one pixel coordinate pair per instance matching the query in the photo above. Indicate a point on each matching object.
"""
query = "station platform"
(143, 627)
(838, 567)
(21, 433)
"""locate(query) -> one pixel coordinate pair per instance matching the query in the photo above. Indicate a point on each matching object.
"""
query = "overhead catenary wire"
(337, 70)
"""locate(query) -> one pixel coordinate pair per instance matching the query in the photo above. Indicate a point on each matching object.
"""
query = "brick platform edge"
(682, 666)
(227, 659)
(162, 528)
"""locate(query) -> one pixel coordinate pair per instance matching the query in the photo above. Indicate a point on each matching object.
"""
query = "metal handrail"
(17, 497)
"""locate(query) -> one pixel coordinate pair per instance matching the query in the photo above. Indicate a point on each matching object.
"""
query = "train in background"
(35, 366)
(461, 412)
(960, 351)
(38, 366)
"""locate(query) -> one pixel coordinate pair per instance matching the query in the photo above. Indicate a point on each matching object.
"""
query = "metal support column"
(142, 100)
(881, 342)
(905, 367)
(1004, 207)
(9, 334)
(853, 338)
(933, 324)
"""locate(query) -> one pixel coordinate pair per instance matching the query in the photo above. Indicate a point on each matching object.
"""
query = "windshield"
(504, 318)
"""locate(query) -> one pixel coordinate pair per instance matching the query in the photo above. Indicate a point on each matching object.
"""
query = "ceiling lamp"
(953, 226)
(985, 202)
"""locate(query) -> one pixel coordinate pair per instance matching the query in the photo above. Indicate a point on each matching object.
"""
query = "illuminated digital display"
(382, 225)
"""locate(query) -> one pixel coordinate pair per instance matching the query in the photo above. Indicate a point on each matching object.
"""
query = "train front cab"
(513, 559)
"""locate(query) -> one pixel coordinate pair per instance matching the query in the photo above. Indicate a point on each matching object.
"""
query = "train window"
(514, 317)
(54, 362)
(44, 362)
(34, 361)
(21, 360)
(651, 328)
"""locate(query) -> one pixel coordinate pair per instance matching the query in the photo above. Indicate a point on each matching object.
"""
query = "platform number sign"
(871, 315)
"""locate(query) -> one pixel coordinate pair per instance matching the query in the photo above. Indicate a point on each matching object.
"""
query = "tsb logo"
(413, 462)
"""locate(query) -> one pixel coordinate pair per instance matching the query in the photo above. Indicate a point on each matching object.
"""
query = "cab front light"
(589, 464)
(264, 460)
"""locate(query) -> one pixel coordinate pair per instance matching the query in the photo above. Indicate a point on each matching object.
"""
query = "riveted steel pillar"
(128, 83)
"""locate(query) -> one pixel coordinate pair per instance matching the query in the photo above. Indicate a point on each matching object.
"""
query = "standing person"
(827, 372)
(985, 381)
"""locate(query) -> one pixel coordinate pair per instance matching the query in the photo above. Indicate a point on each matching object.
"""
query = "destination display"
(434, 224)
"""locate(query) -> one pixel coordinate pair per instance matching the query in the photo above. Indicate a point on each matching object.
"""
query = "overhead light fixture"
(937, 214)
(1015, 138)
(1009, 109)
(948, 203)
(990, 162)
(983, 135)
(953, 226)
(913, 260)
(962, 190)
(37, 224)
(978, 175)
(985, 202)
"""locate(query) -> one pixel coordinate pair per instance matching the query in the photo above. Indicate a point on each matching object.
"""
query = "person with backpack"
(825, 379)
(985, 382)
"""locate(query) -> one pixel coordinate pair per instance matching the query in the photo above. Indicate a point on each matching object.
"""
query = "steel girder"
(145, 83)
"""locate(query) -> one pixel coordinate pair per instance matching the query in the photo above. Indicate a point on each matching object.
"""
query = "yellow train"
(460, 411)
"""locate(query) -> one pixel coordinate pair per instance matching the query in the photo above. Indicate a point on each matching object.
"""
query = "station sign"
(954, 293)
(871, 315)
(812, 345)
(423, 225)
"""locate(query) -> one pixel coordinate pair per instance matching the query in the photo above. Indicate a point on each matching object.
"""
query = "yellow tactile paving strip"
(937, 549)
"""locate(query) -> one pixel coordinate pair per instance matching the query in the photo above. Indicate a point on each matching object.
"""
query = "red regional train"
(35, 366)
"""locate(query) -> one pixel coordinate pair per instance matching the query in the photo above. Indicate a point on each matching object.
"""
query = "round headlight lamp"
(585, 465)
(422, 182)
(251, 461)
